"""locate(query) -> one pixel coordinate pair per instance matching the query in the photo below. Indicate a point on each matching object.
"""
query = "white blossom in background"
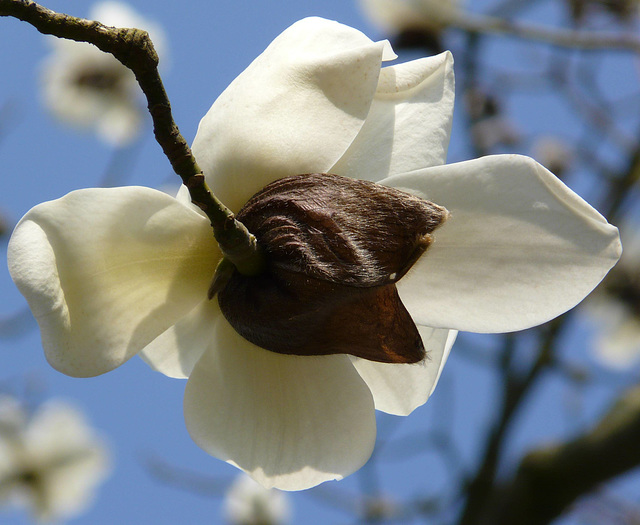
(553, 153)
(51, 461)
(91, 90)
(394, 16)
(491, 127)
(492, 132)
(518, 249)
(249, 503)
(615, 310)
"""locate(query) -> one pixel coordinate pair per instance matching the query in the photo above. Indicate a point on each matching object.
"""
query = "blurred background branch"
(549, 479)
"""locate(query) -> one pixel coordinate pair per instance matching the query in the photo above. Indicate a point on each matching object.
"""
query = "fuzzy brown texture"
(335, 247)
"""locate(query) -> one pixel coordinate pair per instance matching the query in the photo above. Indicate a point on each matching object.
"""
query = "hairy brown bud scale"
(335, 247)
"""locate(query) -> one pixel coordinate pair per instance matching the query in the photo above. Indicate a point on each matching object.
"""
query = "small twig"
(134, 49)
(556, 37)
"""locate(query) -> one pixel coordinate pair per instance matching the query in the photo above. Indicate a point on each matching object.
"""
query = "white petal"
(105, 271)
(295, 109)
(409, 124)
(400, 389)
(519, 249)
(290, 422)
(175, 352)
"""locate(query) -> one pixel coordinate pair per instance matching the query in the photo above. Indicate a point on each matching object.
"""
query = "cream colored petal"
(295, 109)
(519, 248)
(105, 271)
(399, 389)
(290, 422)
(409, 124)
(175, 352)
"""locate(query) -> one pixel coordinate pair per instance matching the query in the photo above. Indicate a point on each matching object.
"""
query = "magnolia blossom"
(51, 461)
(395, 16)
(111, 273)
(249, 503)
(89, 89)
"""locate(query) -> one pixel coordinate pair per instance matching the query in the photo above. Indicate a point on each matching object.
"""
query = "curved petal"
(175, 352)
(399, 389)
(105, 271)
(290, 422)
(519, 248)
(409, 124)
(295, 109)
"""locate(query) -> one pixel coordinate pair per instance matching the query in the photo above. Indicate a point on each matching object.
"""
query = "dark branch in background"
(515, 391)
(134, 49)
(550, 479)
(555, 37)
(184, 479)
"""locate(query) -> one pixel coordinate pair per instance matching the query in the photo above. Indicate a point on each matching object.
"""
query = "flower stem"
(134, 49)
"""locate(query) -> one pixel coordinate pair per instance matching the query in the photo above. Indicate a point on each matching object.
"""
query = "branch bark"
(134, 49)
(550, 479)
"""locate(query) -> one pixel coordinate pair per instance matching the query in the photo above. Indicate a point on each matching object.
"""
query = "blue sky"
(139, 411)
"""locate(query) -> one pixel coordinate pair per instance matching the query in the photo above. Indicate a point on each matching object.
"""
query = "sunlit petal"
(409, 124)
(175, 352)
(290, 422)
(399, 389)
(295, 109)
(519, 249)
(105, 271)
